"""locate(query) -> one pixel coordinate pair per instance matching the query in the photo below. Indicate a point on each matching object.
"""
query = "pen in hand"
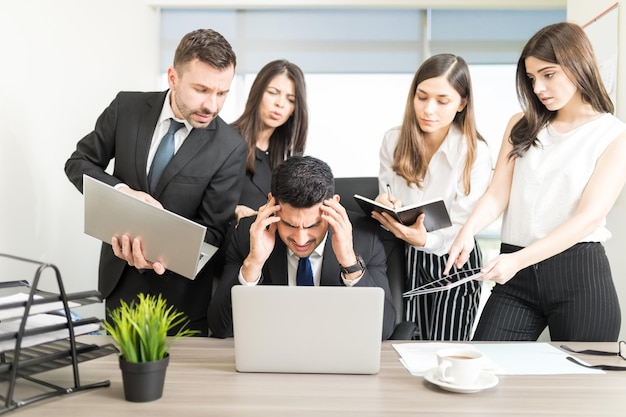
(389, 197)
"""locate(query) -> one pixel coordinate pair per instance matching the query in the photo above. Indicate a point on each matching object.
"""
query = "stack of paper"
(18, 312)
(40, 320)
(523, 358)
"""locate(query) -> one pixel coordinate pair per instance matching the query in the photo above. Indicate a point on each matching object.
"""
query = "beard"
(188, 114)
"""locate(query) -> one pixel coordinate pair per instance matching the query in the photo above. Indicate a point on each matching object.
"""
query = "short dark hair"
(302, 181)
(208, 46)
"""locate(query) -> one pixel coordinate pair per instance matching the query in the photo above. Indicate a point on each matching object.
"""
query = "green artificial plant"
(140, 328)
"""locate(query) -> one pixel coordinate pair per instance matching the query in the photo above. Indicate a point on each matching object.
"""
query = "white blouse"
(444, 179)
(549, 180)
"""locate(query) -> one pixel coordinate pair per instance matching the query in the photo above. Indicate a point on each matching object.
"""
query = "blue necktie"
(164, 153)
(304, 276)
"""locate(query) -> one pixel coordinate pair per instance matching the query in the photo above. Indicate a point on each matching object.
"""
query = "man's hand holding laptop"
(129, 250)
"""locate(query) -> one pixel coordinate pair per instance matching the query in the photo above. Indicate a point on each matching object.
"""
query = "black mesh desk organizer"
(25, 358)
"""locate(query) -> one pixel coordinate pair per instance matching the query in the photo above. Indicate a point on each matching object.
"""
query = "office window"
(359, 65)
(320, 41)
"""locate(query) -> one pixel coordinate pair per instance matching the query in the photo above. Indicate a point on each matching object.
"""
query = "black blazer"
(366, 242)
(202, 182)
(257, 186)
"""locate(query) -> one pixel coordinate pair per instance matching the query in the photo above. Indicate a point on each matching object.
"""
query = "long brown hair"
(409, 158)
(286, 140)
(567, 45)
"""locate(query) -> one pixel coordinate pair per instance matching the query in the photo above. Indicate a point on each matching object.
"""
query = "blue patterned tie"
(304, 276)
(164, 153)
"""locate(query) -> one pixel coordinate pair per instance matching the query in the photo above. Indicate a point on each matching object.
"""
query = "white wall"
(62, 63)
(581, 12)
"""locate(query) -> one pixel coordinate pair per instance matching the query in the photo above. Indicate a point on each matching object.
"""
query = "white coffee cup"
(459, 366)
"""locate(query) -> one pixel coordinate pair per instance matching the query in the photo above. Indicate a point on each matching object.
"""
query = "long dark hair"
(567, 45)
(288, 139)
(409, 159)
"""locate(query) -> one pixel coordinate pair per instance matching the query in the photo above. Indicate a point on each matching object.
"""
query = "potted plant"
(140, 330)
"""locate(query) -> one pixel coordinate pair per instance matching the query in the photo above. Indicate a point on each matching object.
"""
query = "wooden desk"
(202, 381)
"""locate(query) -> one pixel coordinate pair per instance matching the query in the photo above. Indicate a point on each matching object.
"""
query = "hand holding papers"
(445, 283)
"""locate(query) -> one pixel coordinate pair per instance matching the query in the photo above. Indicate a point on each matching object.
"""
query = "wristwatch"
(358, 266)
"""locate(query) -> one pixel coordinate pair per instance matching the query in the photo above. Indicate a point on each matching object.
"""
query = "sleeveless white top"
(548, 180)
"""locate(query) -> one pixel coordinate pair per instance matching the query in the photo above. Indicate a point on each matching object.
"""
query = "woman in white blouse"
(561, 167)
(436, 153)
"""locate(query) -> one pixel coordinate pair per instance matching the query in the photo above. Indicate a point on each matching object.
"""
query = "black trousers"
(189, 297)
(572, 293)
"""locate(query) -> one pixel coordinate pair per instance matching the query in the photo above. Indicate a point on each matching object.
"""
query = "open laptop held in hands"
(335, 330)
(174, 240)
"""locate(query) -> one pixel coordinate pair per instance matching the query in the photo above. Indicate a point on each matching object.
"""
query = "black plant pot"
(143, 381)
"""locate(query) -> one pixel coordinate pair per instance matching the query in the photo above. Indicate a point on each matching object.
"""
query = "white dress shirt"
(161, 129)
(444, 179)
(549, 180)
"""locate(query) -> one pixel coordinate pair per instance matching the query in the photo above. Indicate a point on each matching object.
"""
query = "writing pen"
(389, 197)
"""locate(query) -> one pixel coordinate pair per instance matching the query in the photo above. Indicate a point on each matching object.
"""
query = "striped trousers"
(572, 293)
(445, 315)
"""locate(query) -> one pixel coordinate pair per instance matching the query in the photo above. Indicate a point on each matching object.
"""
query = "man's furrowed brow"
(286, 223)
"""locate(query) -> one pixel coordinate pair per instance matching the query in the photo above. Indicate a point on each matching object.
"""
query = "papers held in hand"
(436, 213)
(446, 283)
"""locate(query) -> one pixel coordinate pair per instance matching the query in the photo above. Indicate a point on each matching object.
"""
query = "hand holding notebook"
(437, 216)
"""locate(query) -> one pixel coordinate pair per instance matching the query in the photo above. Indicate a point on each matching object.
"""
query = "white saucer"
(485, 380)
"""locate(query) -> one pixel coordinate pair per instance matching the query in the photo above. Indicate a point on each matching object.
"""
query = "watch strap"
(358, 266)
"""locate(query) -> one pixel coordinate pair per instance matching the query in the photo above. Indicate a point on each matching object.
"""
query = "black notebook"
(436, 213)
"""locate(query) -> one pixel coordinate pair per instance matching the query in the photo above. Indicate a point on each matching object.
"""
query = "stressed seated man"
(302, 223)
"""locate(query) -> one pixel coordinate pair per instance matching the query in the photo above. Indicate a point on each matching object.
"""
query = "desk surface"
(201, 381)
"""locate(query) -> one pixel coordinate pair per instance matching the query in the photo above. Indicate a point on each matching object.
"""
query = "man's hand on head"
(337, 217)
(262, 240)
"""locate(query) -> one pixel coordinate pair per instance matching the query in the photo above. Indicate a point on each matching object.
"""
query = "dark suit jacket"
(257, 186)
(202, 182)
(366, 242)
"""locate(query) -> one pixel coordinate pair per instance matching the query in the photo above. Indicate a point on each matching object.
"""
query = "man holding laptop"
(170, 149)
(302, 236)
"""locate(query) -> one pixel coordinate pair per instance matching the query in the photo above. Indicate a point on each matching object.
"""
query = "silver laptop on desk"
(178, 242)
(336, 330)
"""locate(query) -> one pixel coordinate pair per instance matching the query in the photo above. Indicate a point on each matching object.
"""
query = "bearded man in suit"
(202, 181)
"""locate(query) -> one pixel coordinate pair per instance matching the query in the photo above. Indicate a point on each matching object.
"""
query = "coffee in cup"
(459, 366)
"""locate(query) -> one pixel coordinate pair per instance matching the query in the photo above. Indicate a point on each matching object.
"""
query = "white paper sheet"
(525, 358)
(532, 358)
(18, 312)
(40, 320)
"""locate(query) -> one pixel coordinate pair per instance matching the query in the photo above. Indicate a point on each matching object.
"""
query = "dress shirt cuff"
(434, 244)
(243, 281)
(353, 282)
